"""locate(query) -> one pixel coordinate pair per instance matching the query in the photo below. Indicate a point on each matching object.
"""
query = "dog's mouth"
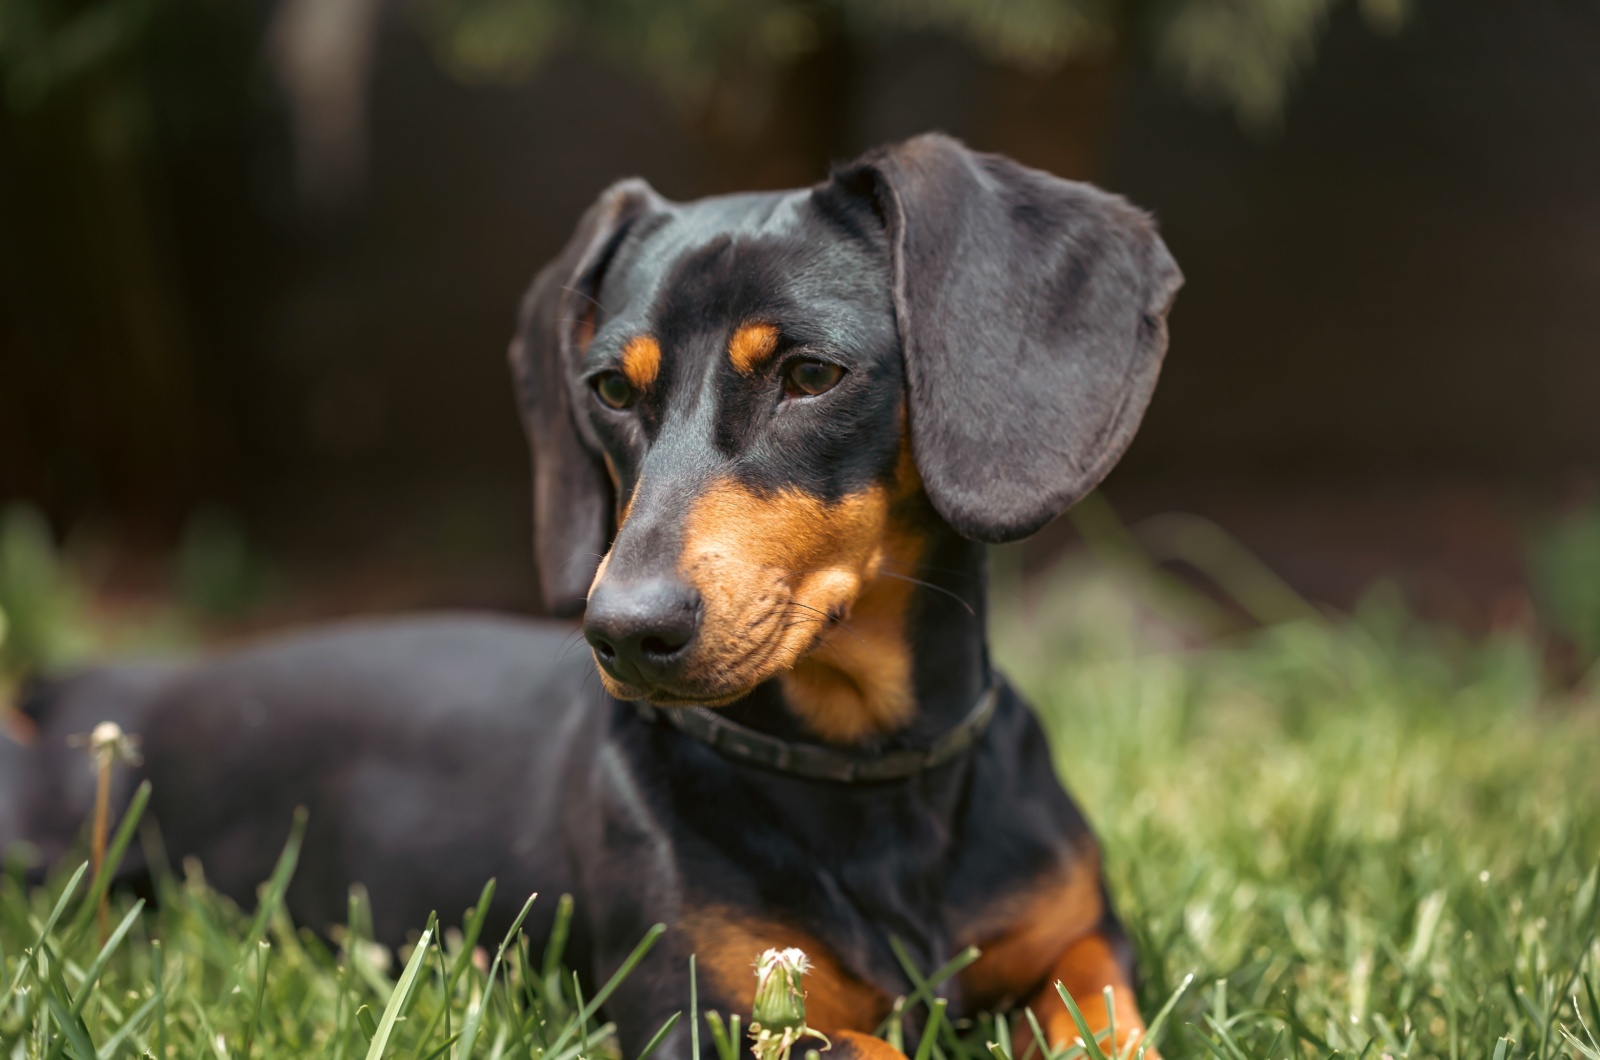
(676, 697)
(714, 679)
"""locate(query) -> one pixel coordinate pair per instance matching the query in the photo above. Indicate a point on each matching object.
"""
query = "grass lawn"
(1357, 835)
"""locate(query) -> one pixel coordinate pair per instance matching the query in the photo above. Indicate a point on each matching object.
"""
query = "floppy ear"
(573, 501)
(1032, 315)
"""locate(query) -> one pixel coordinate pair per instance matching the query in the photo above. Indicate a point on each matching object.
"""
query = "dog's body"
(794, 418)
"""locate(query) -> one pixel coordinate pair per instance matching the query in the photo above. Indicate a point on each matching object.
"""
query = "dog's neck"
(908, 663)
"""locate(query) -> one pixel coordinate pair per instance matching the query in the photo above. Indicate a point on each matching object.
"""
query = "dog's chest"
(836, 870)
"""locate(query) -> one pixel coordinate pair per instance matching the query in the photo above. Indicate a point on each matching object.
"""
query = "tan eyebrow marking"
(751, 345)
(641, 361)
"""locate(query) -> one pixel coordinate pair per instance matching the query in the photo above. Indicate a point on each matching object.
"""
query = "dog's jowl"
(771, 437)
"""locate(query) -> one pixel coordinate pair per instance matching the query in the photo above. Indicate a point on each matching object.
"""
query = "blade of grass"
(1159, 1024)
(109, 1047)
(655, 1039)
(208, 1038)
(1046, 1049)
(263, 956)
(556, 948)
(1108, 999)
(44, 933)
(895, 1034)
(923, 988)
(615, 981)
(56, 994)
(443, 1048)
(930, 1033)
(474, 1020)
(72, 1028)
(719, 1035)
(158, 962)
(469, 936)
(108, 868)
(397, 1000)
(98, 967)
(278, 883)
(1091, 1048)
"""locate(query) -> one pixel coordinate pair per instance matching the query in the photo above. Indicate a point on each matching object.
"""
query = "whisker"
(793, 620)
(573, 642)
(570, 289)
(958, 572)
(901, 577)
(936, 588)
(826, 617)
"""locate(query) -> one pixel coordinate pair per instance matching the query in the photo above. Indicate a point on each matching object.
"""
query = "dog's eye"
(615, 390)
(809, 378)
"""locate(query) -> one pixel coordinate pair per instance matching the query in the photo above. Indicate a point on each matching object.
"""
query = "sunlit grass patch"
(1359, 834)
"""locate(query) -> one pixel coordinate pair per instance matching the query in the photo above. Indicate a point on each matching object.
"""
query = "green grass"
(200, 978)
(1358, 835)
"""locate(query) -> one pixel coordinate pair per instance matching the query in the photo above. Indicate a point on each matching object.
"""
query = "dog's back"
(449, 726)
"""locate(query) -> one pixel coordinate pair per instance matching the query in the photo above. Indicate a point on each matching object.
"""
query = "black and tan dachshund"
(771, 434)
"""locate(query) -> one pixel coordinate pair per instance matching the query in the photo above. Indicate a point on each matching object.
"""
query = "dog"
(771, 434)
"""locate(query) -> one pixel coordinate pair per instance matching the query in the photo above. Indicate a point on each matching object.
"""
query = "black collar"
(749, 747)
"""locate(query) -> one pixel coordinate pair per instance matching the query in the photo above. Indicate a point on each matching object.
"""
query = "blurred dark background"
(259, 260)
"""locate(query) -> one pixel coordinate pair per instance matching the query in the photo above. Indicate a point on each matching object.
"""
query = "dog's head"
(746, 409)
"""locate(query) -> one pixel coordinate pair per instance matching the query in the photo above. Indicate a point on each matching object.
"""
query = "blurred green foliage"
(725, 54)
(1245, 54)
(52, 608)
(1564, 565)
(48, 45)
(216, 572)
(43, 607)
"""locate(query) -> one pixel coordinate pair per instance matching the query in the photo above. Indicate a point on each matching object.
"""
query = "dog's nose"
(641, 631)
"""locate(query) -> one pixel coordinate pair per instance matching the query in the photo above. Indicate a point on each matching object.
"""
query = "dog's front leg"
(1058, 928)
(1087, 970)
(853, 1045)
(726, 943)
(650, 997)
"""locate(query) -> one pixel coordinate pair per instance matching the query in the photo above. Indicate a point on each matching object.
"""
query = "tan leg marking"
(1022, 936)
(1046, 933)
(1085, 970)
(726, 943)
(853, 1045)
